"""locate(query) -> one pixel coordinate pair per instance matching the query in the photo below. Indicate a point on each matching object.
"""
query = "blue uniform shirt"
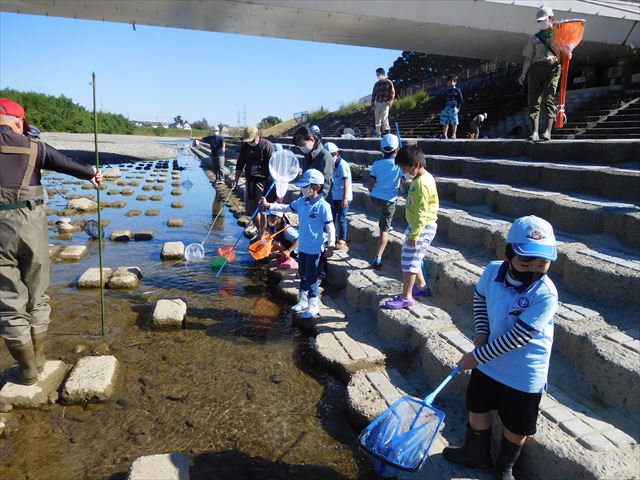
(453, 98)
(387, 175)
(341, 172)
(312, 216)
(524, 368)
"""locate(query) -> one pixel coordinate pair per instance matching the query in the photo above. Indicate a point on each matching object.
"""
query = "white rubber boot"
(314, 308)
(303, 303)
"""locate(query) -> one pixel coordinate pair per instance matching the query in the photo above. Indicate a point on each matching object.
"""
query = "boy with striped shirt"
(514, 305)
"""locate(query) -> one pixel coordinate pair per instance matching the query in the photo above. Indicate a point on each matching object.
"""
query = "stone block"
(91, 380)
(619, 438)
(91, 277)
(370, 394)
(32, 396)
(156, 198)
(143, 235)
(142, 198)
(176, 192)
(82, 205)
(133, 213)
(558, 414)
(347, 351)
(127, 192)
(146, 188)
(175, 222)
(576, 428)
(125, 277)
(54, 250)
(169, 314)
(596, 442)
(168, 466)
(177, 204)
(121, 235)
(73, 253)
(111, 173)
(152, 212)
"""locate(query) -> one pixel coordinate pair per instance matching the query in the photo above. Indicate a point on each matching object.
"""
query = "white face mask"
(306, 191)
(274, 224)
(544, 24)
(306, 149)
(380, 77)
(407, 176)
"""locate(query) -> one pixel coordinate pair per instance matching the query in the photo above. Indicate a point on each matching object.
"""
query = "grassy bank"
(170, 132)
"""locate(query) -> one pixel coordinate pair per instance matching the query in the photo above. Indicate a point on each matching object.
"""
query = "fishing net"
(402, 436)
(283, 167)
(567, 34)
(187, 184)
(281, 189)
(92, 228)
(194, 252)
(261, 249)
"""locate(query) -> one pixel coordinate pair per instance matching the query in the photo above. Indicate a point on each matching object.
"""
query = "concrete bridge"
(471, 28)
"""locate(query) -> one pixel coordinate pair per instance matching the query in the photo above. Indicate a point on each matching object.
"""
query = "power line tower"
(244, 115)
(238, 123)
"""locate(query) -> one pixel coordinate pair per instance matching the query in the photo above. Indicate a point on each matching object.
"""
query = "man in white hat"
(542, 70)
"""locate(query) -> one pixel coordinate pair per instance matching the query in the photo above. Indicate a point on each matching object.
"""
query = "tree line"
(61, 114)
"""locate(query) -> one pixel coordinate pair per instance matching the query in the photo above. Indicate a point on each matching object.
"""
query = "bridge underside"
(481, 29)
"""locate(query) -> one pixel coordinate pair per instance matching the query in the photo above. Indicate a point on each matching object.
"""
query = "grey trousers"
(24, 274)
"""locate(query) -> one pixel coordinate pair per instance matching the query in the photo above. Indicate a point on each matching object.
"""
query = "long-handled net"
(402, 436)
(283, 167)
(90, 227)
(261, 249)
(195, 251)
(567, 34)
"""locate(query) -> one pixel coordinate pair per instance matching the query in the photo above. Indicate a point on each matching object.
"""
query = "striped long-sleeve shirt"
(518, 336)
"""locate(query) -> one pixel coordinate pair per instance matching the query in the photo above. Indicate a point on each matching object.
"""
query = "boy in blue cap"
(315, 218)
(513, 305)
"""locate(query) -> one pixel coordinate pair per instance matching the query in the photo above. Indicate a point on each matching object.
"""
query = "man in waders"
(24, 250)
(542, 70)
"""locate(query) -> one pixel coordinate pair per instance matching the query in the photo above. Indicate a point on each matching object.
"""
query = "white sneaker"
(313, 310)
(303, 303)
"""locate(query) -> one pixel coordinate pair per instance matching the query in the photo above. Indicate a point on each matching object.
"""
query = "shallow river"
(238, 390)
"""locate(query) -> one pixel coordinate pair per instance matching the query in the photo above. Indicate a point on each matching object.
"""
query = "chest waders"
(24, 268)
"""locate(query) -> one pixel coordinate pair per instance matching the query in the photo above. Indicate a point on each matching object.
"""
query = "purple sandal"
(417, 292)
(399, 302)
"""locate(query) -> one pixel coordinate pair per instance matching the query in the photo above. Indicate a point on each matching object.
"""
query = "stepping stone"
(251, 232)
(121, 235)
(143, 235)
(177, 204)
(127, 192)
(152, 212)
(156, 198)
(169, 314)
(88, 186)
(176, 191)
(142, 198)
(125, 277)
(67, 228)
(64, 236)
(82, 205)
(43, 391)
(133, 213)
(91, 380)
(346, 352)
(118, 204)
(54, 250)
(147, 187)
(158, 188)
(175, 184)
(53, 211)
(91, 277)
(121, 183)
(168, 466)
(73, 253)
(113, 192)
(172, 251)
(175, 222)
(134, 183)
(111, 173)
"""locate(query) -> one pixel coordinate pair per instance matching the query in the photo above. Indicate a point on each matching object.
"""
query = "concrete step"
(573, 440)
(602, 180)
(599, 273)
(580, 214)
(581, 332)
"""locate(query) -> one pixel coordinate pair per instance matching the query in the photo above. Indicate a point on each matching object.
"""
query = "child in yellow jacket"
(421, 212)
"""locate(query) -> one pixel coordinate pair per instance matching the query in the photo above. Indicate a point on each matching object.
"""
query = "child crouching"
(315, 218)
(285, 243)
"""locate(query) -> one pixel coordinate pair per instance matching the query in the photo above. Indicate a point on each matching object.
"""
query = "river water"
(238, 390)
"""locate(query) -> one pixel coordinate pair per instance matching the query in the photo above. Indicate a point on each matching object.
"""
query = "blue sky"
(155, 73)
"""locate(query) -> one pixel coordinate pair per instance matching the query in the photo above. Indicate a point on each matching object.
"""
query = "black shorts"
(517, 410)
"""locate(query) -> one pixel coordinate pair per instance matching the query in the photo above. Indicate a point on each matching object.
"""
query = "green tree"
(201, 124)
(269, 121)
(414, 67)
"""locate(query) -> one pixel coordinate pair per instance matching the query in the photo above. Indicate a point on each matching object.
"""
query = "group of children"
(514, 302)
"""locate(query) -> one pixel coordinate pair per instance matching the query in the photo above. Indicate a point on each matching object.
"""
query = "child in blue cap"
(514, 305)
(315, 218)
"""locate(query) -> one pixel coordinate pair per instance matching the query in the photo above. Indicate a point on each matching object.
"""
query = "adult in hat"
(382, 98)
(218, 148)
(541, 69)
(24, 249)
(253, 159)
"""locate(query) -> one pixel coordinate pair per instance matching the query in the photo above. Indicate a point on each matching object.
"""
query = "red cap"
(9, 107)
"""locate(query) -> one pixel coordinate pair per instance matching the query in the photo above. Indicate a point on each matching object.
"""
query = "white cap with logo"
(389, 143)
(533, 236)
(543, 13)
(331, 147)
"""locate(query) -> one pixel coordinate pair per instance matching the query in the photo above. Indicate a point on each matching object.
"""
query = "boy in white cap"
(384, 181)
(514, 305)
(341, 192)
(315, 218)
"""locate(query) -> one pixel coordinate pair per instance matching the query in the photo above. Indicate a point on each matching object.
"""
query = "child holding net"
(315, 218)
